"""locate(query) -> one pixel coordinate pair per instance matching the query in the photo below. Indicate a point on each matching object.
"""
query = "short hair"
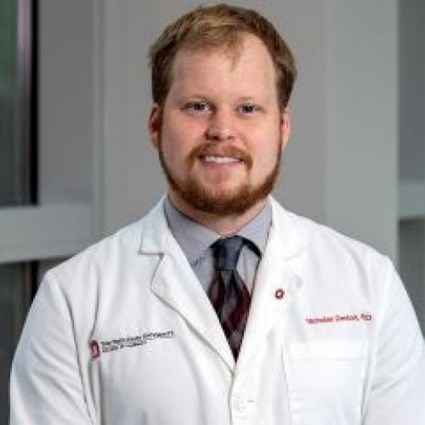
(219, 26)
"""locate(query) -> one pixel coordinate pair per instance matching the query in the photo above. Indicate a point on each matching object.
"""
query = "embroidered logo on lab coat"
(339, 318)
(100, 347)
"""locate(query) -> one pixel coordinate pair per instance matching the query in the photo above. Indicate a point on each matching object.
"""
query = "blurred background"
(76, 163)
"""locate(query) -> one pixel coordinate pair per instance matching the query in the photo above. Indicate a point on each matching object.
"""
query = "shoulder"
(106, 278)
(109, 255)
(326, 246)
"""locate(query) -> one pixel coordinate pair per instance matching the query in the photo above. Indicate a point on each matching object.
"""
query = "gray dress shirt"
(195, 241)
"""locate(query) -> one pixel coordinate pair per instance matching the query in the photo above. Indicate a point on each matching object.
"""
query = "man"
(220, 307)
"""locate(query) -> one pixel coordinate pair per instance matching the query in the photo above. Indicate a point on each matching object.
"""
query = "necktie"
(228, 292)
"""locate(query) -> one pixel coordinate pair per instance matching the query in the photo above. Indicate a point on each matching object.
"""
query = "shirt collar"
(195, 239)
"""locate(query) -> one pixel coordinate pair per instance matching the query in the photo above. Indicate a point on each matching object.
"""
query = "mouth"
(218, 159)
(220, 156)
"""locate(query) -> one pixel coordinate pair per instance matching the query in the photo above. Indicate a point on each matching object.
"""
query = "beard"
(216, 200)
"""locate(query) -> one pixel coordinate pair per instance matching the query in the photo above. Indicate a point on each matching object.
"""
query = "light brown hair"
(220, 26)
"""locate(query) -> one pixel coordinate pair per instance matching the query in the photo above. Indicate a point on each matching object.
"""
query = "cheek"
(266, 151)
(171, 143)
(178, 138)
(175, 151)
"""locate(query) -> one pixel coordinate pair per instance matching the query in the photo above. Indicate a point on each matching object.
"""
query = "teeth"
(220, 159)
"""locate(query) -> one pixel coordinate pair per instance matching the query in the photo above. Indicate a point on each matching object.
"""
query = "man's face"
(220, 131)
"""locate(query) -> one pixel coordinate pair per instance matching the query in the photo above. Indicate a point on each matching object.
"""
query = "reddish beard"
(218, 201)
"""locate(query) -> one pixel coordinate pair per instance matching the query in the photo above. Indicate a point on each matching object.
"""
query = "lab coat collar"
(177, 285)
(156, 233)
(292, 234)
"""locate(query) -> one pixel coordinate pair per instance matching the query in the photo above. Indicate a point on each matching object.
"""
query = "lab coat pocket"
(325, 381)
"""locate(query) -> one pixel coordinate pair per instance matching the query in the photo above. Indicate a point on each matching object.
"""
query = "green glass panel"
(13, 150)
(15, 293)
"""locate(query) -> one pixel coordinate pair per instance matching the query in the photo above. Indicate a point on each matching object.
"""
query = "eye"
(197, 107)
(248, 109)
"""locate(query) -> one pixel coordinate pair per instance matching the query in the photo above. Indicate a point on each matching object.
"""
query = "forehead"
(246, 64)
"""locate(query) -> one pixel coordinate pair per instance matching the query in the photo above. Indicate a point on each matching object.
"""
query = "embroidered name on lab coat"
(363, 317)
(99, 347)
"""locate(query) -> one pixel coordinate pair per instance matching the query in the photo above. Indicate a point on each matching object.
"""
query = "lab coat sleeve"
(46, 386)
(398, 385)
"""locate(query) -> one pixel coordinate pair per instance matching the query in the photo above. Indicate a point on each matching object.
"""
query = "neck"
(223, 225)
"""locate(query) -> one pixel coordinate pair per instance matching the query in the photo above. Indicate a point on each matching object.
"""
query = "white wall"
(66, 102)
(362, 162)
(412, 90)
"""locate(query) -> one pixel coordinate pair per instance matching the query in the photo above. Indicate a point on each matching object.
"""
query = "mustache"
(213, 149)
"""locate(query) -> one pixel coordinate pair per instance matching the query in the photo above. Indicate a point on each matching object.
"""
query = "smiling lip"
(220, 156)
(221, 160)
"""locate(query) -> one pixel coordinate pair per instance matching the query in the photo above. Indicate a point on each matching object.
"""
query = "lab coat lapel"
(277, 282)
(177, 285)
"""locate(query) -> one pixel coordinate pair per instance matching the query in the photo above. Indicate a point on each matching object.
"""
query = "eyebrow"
(247, 99)
(210, 99)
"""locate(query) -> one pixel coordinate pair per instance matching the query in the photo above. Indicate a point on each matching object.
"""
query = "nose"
(220, 126)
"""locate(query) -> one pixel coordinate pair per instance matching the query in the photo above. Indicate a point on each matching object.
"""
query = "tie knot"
(226, 252)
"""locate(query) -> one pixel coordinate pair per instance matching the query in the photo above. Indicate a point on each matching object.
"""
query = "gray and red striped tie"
(228, 293)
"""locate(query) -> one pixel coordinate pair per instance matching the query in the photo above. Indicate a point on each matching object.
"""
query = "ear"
(154, 124)
(285, 126)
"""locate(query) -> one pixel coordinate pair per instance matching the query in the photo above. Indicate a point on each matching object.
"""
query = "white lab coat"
(331, 337)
